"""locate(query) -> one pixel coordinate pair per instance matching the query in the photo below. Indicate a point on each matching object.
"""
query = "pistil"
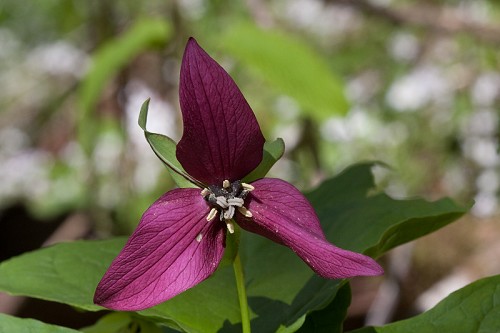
(226, 199)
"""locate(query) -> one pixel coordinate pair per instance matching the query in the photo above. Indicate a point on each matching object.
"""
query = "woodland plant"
(188, 267)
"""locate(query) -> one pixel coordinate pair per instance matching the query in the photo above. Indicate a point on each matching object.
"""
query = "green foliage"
(474, 308)
(66, 273)
(107, 61)
(118, 322)
(9, 324)
(165, 149)
(376, 222)
(331, 318)
(273, 150)
(282, 290)
(290, 65)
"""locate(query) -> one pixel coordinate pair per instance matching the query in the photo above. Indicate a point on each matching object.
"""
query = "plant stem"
(242, 293)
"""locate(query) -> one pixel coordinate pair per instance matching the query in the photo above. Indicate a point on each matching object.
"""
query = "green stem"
(242, 293)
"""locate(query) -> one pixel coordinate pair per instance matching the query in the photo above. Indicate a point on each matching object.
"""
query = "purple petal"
(221, 139)
(165, 255)
(282, 214)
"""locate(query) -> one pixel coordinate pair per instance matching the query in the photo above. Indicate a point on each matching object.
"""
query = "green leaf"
(359, 220)
(290, 65)
(272, 153)
(331, 318)
(474, 308)
(10, 324)
(165, 149)
(111, 323)
(120, 322)
(66, 273)
(107, 61)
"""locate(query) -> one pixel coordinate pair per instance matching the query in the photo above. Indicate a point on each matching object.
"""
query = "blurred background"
(414, 84)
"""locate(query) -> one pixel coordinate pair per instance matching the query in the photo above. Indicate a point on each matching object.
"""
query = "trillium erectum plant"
(221, 252)
(181, 238)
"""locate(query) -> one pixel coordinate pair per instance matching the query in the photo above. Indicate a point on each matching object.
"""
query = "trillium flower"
(180, 239)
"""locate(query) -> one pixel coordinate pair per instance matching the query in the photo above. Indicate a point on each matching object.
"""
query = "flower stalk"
(242, 293)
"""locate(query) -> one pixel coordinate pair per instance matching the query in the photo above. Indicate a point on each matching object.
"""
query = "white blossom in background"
(319, 18)
(404, 46)
(193, 9)
(107, 152)
(486, 89)
(287, 108)
(24, 172)
(58, 58)
(161, 119)
(480, 145)
(10, 45)
(288, 128)
(359, 125)
(477, 10)
(363, 87)
(483, 151)
(423, 85)
(482, 123)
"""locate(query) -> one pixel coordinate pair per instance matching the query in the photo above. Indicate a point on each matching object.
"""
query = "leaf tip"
(143, 114)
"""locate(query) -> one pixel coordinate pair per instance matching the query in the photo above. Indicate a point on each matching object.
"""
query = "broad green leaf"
(165, 149)
(120, 322)
(66, 273)
(355, 218)
(10, 324)
(272, 153)
(111, 323)
(290, 65)
(281, 289)
(331, 318)
(107, 61)
(472, 309)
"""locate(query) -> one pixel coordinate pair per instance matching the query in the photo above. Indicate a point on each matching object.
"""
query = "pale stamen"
(226, 183)
(245, 212)
(230, 227)
(247, 187)
(212, 214)
(205, 192)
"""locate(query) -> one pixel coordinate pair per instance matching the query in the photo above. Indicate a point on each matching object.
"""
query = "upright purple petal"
(173, 249)
(221, 139)
(282, 214)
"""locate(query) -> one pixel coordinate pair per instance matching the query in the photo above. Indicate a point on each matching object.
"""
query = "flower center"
(226, 199)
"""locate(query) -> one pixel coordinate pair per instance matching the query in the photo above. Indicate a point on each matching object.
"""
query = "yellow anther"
(205, 192)
(226, 183)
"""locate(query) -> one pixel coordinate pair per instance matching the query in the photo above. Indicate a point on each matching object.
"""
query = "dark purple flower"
(180, 239)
